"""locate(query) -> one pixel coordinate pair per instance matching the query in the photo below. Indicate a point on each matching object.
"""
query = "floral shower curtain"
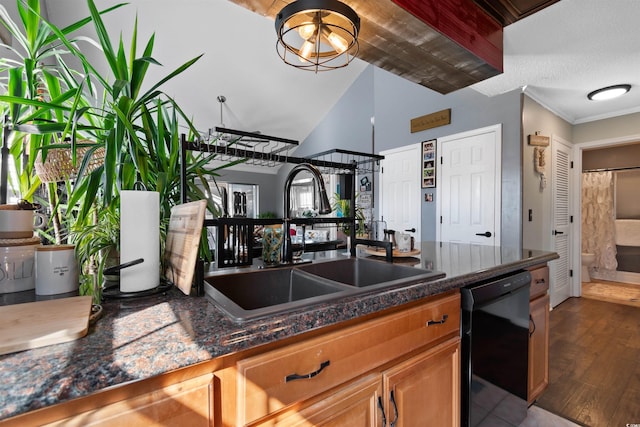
(598, 227)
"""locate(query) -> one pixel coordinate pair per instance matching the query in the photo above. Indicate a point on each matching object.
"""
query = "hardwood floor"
(594, 363)
(621, 293)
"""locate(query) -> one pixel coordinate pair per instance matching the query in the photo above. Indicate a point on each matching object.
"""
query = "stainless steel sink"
(253, 294)
(364, 273)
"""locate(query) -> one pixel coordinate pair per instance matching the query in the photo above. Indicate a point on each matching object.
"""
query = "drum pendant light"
(317, 35)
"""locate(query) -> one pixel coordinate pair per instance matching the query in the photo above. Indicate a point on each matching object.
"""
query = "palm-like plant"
(41, 93)
(136, 129)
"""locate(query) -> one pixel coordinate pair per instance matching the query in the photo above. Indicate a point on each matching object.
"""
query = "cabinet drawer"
(188, 403)
(539, 281)
(271, 381)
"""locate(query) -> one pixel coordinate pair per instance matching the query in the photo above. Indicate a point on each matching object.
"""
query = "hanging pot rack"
(257, 149)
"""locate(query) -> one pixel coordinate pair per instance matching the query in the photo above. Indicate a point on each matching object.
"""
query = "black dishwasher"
(495, 350)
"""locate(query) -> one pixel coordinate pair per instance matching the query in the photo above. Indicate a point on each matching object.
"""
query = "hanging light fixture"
(317, 35)
(609, 92)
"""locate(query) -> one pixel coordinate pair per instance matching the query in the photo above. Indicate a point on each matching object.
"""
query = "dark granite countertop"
(142, 338)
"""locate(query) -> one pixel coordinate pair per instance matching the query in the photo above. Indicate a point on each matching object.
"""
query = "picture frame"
(428, 176)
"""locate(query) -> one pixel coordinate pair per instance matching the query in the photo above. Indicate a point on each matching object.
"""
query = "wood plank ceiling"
(509, 11)
(444, 45)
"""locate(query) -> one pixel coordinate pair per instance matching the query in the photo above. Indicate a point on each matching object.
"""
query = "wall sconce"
(317, 35)
(609, 92)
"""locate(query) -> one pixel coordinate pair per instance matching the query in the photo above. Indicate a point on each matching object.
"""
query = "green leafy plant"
(96, 244)
(267, 215)
(342, 207)
(41, 92)
(135, 131)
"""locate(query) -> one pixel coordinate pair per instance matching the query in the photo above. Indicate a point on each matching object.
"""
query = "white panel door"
(400, 195)
(469, 187)
(559, 270)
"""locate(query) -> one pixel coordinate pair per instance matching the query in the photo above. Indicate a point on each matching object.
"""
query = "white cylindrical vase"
(139, 238)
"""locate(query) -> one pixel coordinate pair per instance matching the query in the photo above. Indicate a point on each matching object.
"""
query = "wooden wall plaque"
(433, 120)
(539, 140)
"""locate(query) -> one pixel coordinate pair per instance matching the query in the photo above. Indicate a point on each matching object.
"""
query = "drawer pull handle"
(438, 322)
(539, 281)
(293, 377)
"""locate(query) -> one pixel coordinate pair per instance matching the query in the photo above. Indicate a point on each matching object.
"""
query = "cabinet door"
(538, 347)
(269, 382)
(425, 390)
(353, 405)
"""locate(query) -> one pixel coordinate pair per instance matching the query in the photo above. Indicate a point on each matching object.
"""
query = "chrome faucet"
(324, 208)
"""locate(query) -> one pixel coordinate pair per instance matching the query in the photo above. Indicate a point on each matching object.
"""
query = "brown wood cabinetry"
(345, 376)
(184, 403)
(538, 333)
(353, 405)
(422, 390)
(426, 388)
(412, 355)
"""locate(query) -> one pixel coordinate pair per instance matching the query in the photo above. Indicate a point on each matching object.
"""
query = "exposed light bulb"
(338, 43)
(305, 51)
(306, 31)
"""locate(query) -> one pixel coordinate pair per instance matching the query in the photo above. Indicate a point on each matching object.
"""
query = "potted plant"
(97, 248)
(53, 107)
(342, 207)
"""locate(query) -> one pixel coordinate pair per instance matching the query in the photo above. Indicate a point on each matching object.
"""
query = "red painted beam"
(463, 22)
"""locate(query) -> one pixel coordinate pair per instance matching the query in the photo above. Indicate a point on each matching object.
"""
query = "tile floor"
(494, 407)
(538, 417)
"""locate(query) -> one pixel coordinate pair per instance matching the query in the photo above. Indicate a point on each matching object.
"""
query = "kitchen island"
(156, 342)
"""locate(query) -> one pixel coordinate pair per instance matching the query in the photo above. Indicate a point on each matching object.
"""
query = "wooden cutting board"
(36, 324)
(183, 239)
(396, 253)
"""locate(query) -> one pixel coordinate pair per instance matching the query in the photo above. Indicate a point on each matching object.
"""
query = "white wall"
(608, 129)
(536, 118)
(395, 101)
(398, 101)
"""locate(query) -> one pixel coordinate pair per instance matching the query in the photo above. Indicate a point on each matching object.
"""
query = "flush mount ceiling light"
(609, 92)
(317, 35)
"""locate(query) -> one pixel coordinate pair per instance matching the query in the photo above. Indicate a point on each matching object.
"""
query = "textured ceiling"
(569, 49)
(239, 61)
(560, 53)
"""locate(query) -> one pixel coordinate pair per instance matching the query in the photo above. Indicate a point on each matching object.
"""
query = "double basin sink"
(258, 293)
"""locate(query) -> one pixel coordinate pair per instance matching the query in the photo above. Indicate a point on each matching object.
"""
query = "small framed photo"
(429, 163)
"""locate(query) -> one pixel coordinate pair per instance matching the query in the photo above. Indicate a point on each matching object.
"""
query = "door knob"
(556, 232)
(485, 234)
(413, 230)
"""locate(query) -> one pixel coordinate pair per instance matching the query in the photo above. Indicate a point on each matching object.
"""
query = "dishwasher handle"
(479, 293)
